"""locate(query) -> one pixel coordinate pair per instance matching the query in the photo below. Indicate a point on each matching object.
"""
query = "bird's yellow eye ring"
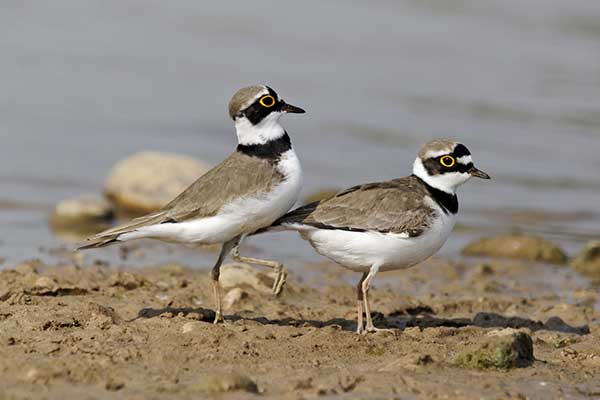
(447, 161)
(267, 101)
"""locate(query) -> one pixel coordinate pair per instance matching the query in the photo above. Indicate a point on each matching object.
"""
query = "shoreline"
(105, 333)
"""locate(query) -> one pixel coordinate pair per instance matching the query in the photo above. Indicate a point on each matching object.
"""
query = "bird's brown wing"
(395, 206)
(237, 176)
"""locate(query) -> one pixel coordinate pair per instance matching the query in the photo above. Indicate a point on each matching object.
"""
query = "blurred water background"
(85, 84)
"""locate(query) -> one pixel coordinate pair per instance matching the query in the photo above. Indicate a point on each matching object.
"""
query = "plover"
(249, 190)
(388, 225)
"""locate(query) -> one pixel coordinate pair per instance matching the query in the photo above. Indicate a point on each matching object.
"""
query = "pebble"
(242, 275)
(232, 297)
(146, 181)
(499, 349)
(517, 246)
(189, 326)
(83, 210)
(588, 260)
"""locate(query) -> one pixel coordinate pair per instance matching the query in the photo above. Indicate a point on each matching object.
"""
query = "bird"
(387, 225)
(258, 183)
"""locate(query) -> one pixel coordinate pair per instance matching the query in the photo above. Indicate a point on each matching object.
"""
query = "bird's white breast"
(253, 213)
(360, 250)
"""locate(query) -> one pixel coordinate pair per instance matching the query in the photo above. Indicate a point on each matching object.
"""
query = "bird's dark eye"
(447, 161)
(267, 101)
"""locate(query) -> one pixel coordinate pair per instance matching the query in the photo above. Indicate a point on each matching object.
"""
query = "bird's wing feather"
(237, 176)
(393, 206)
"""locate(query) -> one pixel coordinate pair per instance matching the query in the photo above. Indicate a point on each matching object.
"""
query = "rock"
(588, 260)
(34, 284)
(75, 219)
(33, 375)
(126, 280)
(42, 373)
(517, 246)
(44, 283)
(502, 349)
(189, 326)
(242, 275)
(114, 386)
(39, 285)
(84, 210)
(226, 383)
(232, 297)
(146, 181)
(102, 317)
(320, 194)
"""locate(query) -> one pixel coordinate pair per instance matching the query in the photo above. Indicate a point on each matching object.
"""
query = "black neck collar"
(271, 150)
(447, 201)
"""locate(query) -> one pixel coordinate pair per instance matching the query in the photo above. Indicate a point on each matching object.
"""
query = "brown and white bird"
(249, 190)
(388, 225)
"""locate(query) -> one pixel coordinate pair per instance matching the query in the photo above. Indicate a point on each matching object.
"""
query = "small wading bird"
(249, 190)
(388, 225)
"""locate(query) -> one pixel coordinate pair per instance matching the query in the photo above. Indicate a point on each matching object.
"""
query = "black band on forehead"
(272, 92)
(461, 150)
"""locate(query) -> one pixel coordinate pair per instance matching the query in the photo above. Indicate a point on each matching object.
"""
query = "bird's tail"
(111, 236)
(290, 221)
(95, 243)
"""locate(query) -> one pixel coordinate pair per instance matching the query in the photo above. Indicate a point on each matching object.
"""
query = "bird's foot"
(280, 280)
(373, 329)
(218, 318)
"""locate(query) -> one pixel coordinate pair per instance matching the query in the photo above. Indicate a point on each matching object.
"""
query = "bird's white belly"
(359, 251)
(242, 216)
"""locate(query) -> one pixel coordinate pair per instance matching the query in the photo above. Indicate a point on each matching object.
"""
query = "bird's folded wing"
(236, 177)
(394, 206)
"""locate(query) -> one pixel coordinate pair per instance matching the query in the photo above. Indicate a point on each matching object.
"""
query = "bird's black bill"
(291, 109)
(478, 173)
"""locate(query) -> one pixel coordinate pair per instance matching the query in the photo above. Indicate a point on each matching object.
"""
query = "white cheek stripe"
(465, 160)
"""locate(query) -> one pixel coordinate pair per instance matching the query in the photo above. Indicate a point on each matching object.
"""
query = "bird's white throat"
(266, 130)
(447, 182)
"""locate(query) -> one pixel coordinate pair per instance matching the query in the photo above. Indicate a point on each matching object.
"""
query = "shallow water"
(84, 85)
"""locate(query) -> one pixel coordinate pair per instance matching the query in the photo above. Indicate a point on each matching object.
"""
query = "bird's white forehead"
(251, 100)
(436, 148)
(436, 153)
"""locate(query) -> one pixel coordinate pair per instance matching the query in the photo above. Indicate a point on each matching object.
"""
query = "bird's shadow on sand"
(421, 317)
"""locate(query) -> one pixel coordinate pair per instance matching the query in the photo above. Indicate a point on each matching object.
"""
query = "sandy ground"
(96, 332)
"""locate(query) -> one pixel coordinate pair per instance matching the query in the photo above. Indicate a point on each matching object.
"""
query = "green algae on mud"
(502, 349)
